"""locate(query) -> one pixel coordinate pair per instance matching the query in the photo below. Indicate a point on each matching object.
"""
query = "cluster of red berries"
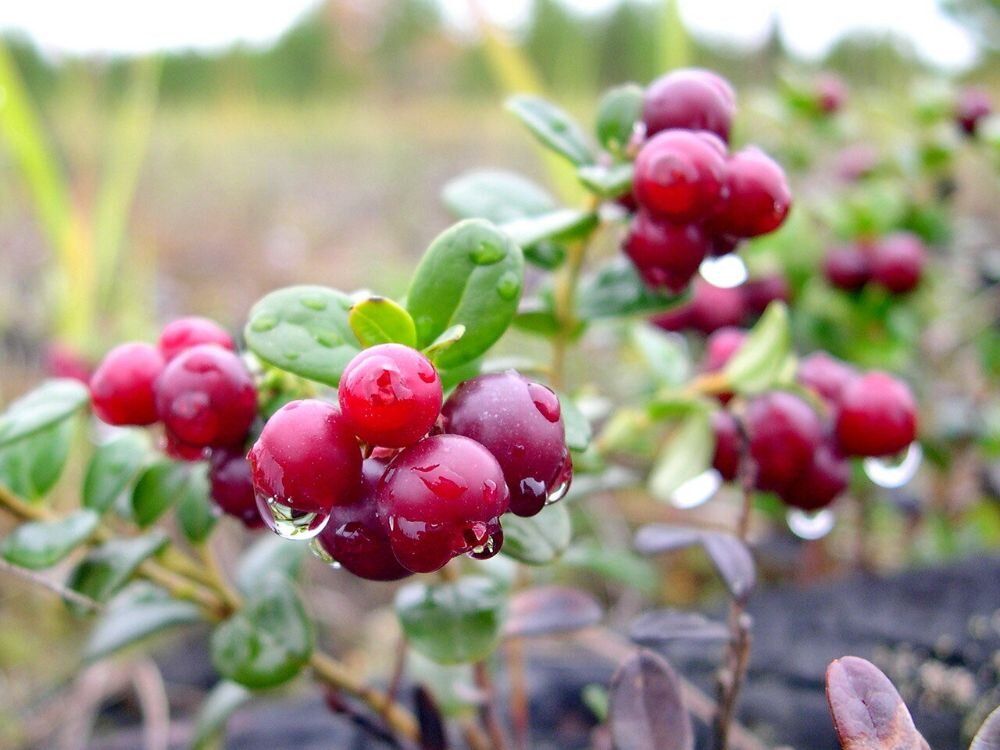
(713, 307)
(894, 262)
(693, 198)
(801, 453)
(394, 481)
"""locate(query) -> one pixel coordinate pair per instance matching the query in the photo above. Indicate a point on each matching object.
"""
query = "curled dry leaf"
(647, 709)
(550, 609)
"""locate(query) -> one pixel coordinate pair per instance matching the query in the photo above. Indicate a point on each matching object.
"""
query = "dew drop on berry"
(810, 525)
(697, 490)
(545, 401)
(320, 551)
(894, 471)
(486, 254)
(535, 489)
(562, 483)
(489, 548)
(289, 523)
(508, 285)
(442, 481)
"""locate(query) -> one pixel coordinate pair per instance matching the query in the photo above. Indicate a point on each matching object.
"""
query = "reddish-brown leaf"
(646, 707)
(733, 561)
(664, 625)
(550, 609)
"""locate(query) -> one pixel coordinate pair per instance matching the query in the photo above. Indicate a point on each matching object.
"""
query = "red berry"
(826, 476)
(759, 293)
(121, 388)
(721, 346)
(520, 423)
(691, 99)
(877, 416)
(391, 395)
(783, 433)
(675, 320)
(440, 498)
(679, 175)
(63, 361)
(825, 375)
(232, 487)
(973, 105)
(898, 262)
(179, 450)
(831, 93)
(728, 442)
(307, 457)
(666, 254)
(184, 333)
(354, 535)
(715, 307)
(206, 397)
(755, 195)
(723, 244)
(848, 267)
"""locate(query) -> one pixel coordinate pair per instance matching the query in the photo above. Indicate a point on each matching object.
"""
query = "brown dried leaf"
(550, 609)
(647, 709)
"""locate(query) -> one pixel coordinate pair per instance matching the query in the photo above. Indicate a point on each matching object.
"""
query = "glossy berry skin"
(679, 175)
(184, 333)
(848, 268)
(391, 395)
(122, 386)
(973, 105)
(307, 457)
(825, 375)
(520, 423)
(206, 397)
(898, 262)
(232, 487)
(826, 476)
(715, 307)
(877, 416)
(354, 535)
(759, 293)
(726, 459)
(755, 196)
(667, 255)
(690, 99)
(440, 498)
(783, 433)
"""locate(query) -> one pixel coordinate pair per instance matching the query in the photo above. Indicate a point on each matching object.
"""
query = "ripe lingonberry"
(679, 174)
(847, 267)
(831, 93)
(675, 320)
(826, 476)
(206, 397)
(666, 254)
(898, 262)
(440, 498)
(179, 450)
(825, 375)
(719, 348)
(972, 106)
(728, 443)
(755, 196)
(185, 333)
(232, 487)
(783, 433)
(715, 307)
(877, 416)
(121, 388)
(691, 99)
(520, 423)
(307, 457)
(355, 536)
(759, 293)
(391, 395)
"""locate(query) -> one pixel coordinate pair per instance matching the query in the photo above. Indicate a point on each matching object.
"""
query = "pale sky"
(810, 26)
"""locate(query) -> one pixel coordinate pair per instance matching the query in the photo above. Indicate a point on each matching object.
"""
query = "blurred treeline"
(402, 48)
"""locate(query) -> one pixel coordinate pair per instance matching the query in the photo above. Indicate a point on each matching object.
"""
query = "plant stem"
(564, 298)
(487, 710)
(520, 718)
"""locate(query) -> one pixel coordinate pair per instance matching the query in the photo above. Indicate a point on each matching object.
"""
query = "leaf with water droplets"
(656, 538)
(304, 330)
(540, 539)
(646, 706)
(988, 736)
(51, 402)
(378, 320)
(666, 625)
(553, 127)
(544, 610)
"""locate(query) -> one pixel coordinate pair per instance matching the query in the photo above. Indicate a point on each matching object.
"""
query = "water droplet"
(894, 471)
(486, 254)
(814, 525)
(490, 546)
(317, 548)
(545, 401)
(560, 488)
(726, 271)
(327, 339)
(289, 523)
(509, 285)
(697, 490)
(292, 355)
(263, 323)
(313, 302)
(443, 482)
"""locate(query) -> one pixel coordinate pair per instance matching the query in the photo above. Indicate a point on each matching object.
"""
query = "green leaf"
(32, 466)
(606, 181)
(454, 622)
(552, 126)
(196, 513)
(547, 255)
(666, 356)
(620, 565)
(617, 290)
(136, 613)
(471, 275)
(268, 554)
(268, 641)
(540, 321)
(378, 320)
(41, 544)
(161, 485)
(113, 466)
(762, 361)
(563, 224)
(53, 401)
(578, 429)
(304, 330)
(540, 539)
(224, 700)
(496, 196)
(619, 110)
(450, 337)
(687, 454)
(109, 567)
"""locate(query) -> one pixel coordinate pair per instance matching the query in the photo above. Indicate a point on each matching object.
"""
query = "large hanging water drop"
(289, 523)
(697, 490)
(814, 525)
(895, 471)
(317, 548)
(726, 271)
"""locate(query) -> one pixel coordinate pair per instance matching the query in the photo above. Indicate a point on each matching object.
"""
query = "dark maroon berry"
(440, 498)
(848, 267)
(391, 395)
(973, 105)
(355, 537)
(728, 444)
(715, 307)
(520, 423)
(831, 93)
(232, 487)
(723, 244)
(783, 433)
(755, 196)
(826, 476)
(185, 333)
(877, 416)
(825, 375)
(721, 346)
(181, 451)
(307, 457)
(679, 175)
(206, 397)
(759, 293)
(122, 386)
(898, 262)
(667, 255)
(691, 99)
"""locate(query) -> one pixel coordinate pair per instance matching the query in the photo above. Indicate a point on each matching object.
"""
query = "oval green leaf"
(687, 454)
(107, 568)
(540, 539)
(555, 129)
(196, 513)
(619, 110)
(53, 401)
(578, 429)
(379, 320)
(268, 554)
(31, 467)
(606, 181)
(496, 196)
(41, 544)
(112, 468)
(616, 290)
(763, 360)
(161, 485)
(562, 225)
(224, 700)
